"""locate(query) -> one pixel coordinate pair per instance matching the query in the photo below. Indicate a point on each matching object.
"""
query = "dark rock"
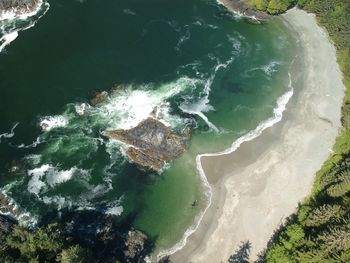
(151, 143)
(118, 88)
(6, 224)
(99, 98)
(16, 167)
(135, 244)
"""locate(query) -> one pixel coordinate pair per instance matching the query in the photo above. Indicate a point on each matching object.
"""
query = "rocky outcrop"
(135, 245)
(99, 98)
(8, 207)
(151, 144)
(240, 7)
(19, 7)
(102, 97)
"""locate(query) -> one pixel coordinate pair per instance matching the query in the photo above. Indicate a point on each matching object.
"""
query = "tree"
(323, 214)
(241, 255)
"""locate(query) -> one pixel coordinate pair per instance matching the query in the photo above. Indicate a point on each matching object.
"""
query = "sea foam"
(50, 122)
(9, 134)
(48, 175)
(126, 109)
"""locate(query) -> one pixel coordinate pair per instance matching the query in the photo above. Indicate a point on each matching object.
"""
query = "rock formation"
(99, 98)
(102, 97)
(135, 245)
(19, 7)
(151, 144)
(8, 207)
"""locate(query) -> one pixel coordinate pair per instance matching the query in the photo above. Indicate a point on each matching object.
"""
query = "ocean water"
(201, 66)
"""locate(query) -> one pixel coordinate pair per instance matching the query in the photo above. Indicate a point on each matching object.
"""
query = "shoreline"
(246, 182)
(10, 16)
(242, 9)
(21, 12)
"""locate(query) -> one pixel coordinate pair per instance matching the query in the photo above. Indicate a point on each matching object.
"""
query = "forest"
(320, 229)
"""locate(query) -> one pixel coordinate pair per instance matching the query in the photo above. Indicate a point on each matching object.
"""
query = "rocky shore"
(19, 7)
(240, 7)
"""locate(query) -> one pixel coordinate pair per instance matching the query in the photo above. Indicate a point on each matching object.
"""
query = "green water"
(187, 57)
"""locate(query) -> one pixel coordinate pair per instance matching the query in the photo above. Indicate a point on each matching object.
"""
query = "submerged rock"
(151, 143)
(16, 168)
(102, 97)
(99, 98)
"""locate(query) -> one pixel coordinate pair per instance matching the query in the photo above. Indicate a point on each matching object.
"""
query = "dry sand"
(260, 184)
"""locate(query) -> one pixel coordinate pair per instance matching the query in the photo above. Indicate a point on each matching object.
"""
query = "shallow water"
(201, 66)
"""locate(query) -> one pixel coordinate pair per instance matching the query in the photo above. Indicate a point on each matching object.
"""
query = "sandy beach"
(260, 184)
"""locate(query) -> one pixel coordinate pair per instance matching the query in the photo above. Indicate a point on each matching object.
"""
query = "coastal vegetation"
(320, 229)
(47, 244)
(319, 232)
(271, 6)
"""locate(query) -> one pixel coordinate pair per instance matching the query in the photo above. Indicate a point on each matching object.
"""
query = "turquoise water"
(202, 67)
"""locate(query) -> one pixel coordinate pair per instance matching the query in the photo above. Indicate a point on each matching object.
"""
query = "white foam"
(50, 122)
(60, 201)
(191, 110)
(116, 210)
(277, 117)
(32, 145)
(183, 39)
(58, 177)
(203, 104)
(7, 39)
(126, 109)
(268, 69)
(48, 175)
(9, 134)
(35, 184)
(34, 158)
(82, 108)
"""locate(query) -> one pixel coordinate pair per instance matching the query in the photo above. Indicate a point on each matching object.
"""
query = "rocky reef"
(19, 7)
(151, 144)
